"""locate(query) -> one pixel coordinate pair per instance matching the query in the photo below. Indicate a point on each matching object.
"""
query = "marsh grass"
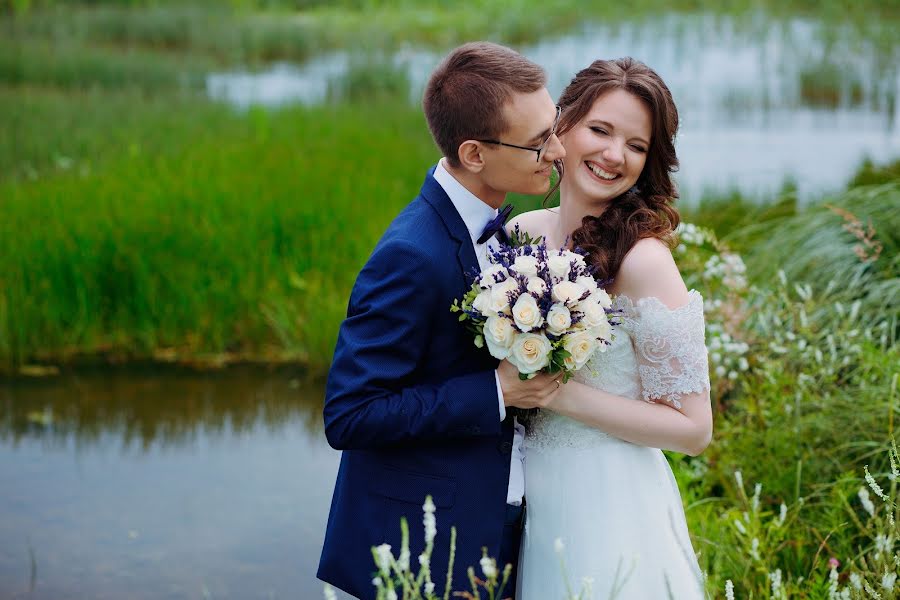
(242, 235)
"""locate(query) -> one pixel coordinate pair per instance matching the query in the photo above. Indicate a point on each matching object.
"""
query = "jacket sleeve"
(373, 397)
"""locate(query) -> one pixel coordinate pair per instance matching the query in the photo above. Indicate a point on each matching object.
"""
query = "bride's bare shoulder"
(535, 222)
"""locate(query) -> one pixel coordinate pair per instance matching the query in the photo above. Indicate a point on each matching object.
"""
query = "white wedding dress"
(615, 505)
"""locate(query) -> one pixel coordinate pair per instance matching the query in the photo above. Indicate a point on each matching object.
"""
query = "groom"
(416, 408)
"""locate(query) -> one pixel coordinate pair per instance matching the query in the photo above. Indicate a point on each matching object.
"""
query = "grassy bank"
(236, 233)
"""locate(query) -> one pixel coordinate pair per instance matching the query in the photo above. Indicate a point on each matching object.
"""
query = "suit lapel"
(435, 195)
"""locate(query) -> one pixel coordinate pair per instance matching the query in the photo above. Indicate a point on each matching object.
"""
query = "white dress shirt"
(475, 214)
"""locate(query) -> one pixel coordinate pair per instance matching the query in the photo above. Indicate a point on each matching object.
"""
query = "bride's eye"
(599, 130)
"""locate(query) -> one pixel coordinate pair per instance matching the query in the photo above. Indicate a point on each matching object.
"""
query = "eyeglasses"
(539, 149)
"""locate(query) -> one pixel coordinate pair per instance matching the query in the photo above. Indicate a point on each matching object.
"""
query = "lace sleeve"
(671, 350)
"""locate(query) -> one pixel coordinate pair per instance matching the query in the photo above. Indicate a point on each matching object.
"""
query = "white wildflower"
(739, 478)
(856, 581)
(391, 595)
(888, 580)
(429, 588)
(782, 514)
(329, 593)
(754, 502)
(743, 365)
(489, 567)
(866, 502)
(740, 527)
(428, 520)
(729, 590)
(383, 552)
(403, 560)
(871, 591)
(377, 582)
(833, 584)
(874, 484)
(721, 371)
(775, 579)
(782, 277)
(754, 549)
(424, 560)
(883, 544)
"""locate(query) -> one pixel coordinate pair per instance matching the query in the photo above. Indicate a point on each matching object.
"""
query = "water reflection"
(173, 485)
(762, 100)
(148, 408)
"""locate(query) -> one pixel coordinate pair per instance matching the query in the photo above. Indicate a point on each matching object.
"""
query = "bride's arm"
(684, 425)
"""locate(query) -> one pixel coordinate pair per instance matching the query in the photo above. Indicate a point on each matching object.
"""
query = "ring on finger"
(557, 383)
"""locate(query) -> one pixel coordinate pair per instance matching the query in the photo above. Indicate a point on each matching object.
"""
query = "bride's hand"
(537, 392)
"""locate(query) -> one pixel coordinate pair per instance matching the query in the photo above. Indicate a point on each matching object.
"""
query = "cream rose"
(603, 331)
(487, 276)
(499, 299)
(526, 265)
(526, 313)
(499, 334)
(536, 285)
(559, 265)
(602, 298)
(593, 313)
(577, 258)
(559, 319)
(580, 346)
(482, 303)
(567, 292)
(588, 282)
(530, 352)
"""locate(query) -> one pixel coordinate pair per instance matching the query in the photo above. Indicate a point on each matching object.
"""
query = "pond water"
(762, 101)
(163, 485)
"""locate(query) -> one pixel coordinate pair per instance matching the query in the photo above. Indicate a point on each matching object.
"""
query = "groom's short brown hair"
(465, 95)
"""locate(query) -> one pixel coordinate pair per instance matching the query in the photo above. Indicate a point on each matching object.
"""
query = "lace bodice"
(657, 354)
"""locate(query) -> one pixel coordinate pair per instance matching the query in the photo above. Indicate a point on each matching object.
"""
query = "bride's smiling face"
(606, 151)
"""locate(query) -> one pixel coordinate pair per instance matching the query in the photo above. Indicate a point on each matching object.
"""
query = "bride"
(595, 476)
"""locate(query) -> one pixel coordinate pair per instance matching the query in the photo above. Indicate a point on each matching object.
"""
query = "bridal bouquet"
(540, 309)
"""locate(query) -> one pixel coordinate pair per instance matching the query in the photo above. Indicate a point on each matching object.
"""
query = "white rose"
(487, 276)
(499, 334)
(526, 313)
(593, 313)
(602, 330)
(588, 282)
(536, 285)
(530, 352)
(581, 346)
(482, 303)
(526, 265)
(578, 258)
(567, 292)
(601, 298)
(559, 265)
(499, 295)
(559, 319)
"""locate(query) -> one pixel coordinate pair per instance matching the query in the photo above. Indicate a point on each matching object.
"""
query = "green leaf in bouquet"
(519, 238)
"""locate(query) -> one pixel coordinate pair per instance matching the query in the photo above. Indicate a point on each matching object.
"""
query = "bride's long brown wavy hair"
(646, 210)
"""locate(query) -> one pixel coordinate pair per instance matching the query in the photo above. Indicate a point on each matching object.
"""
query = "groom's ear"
(470, 156)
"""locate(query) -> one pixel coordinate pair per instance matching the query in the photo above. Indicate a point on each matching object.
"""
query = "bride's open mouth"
(600, 173)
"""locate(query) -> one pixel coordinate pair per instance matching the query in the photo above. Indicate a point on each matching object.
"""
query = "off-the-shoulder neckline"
(693, 298)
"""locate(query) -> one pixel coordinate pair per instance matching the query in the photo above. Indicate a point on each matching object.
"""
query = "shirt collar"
(475, 213)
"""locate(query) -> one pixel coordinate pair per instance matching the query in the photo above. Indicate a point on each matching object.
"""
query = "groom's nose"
(554, 150)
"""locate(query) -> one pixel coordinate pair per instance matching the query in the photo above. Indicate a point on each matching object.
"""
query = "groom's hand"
(536, 392)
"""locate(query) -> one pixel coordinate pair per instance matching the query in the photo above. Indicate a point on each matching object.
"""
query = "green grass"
(239, 233)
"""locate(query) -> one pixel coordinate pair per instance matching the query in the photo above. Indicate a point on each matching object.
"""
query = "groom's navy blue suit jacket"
(413, 405)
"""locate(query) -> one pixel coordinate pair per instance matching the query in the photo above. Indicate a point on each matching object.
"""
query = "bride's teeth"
(600, 172)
